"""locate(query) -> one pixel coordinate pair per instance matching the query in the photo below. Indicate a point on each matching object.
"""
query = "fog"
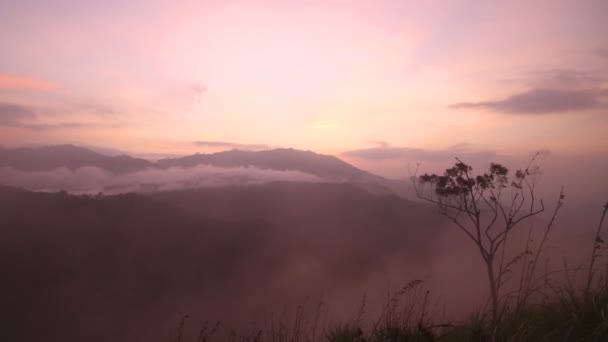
(287, 166)
(250, 247)
(580, 173)
(92, 180)
(127, 267)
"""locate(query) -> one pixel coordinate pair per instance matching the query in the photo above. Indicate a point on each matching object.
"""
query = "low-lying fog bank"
(92, 180)
(127, 267)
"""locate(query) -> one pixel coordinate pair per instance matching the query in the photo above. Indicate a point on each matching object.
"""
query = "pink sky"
(369, 80)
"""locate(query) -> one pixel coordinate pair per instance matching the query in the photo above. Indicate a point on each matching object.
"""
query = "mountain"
(326, 167)
(324, 208)
(70, 156)
(89, 269)
(127, 267)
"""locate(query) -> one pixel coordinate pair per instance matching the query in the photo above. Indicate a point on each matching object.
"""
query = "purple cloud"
(25, 117)
(602, 53)
(562, 79)
(541, 101)
(12, 114)
(406, 153)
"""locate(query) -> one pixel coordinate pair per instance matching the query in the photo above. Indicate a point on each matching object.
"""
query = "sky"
(372, 81)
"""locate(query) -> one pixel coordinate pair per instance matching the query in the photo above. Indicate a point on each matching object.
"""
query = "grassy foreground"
(542, 309)
(565, 315)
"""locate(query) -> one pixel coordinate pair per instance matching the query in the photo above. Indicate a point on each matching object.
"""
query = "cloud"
(460, 146)
(18, 82)
(541, 101)
(380, 143)
(230, 145)
(13, 114)
(562, 79)
(93, 180)
(42, 127)
(558, 79)
(416, 154)
(198, 90)
(325, 124)
(26, 117)
(90, 107)
(602, 53)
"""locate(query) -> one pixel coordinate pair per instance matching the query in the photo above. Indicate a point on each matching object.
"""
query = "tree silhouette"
(486, 207)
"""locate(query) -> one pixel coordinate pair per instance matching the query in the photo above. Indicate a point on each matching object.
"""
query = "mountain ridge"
(326, 167)
(276, 159)
(52, 157)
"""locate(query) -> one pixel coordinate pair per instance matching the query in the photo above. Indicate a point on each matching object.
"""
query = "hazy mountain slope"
(279, 159)
(72, 157)
(81, 268)
(51, 157)
(319, 165)
(339, 211)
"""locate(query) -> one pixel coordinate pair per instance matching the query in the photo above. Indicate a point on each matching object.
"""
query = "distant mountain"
(324, 166)
(70, 156)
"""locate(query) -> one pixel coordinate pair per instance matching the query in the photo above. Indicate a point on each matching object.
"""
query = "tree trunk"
(493, 287)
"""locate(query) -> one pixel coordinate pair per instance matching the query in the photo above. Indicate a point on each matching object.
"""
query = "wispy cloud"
(42, 127)
(380, 143)
(230, 145)
(19, 82)
(91, 107)
(562, 79)
(12, 114)
(198, 90)
(325, 124)
(541, 101)
(416, 154)
(26, 117)
(602, 53)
